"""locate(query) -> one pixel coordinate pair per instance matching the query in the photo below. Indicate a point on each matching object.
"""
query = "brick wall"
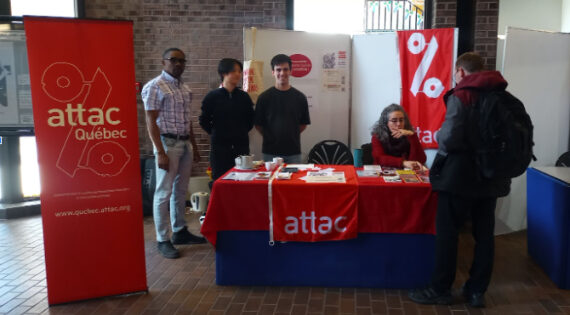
(206, 30)
(485, 28)
(444, 13)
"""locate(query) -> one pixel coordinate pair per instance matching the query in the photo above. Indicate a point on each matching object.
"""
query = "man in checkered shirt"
(167, 104)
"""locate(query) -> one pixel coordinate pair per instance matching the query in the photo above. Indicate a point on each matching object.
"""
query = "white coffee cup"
(278, 160)
(269, 166)
(238, 162)
(247, 161)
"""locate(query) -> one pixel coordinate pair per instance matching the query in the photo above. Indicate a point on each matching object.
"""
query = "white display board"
(537, 66)
(327, 85)
(376, 82)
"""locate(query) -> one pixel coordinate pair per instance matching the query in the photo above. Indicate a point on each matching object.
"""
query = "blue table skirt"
(398, 261)
(548, 234)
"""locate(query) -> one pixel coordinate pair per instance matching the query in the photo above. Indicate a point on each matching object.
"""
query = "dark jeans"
(452, 210)
(222, 158)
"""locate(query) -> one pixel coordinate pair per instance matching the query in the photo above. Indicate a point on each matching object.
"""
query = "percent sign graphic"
(432, 86)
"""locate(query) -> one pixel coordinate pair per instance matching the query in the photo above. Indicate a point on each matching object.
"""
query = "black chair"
(367, 158)
(330, 152)
(564, 160)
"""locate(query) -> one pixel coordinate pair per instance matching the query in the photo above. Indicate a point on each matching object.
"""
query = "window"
(394, 15)
(62, 8)
(29, 170)
(329, 16)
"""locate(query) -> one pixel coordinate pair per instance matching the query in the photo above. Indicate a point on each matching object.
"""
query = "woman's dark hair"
(226, 66)
(380, 128)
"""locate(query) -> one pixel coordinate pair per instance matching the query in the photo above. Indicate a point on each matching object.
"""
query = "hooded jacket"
(454, 169)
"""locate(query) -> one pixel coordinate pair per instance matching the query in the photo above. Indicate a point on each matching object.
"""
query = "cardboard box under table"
(393, 248)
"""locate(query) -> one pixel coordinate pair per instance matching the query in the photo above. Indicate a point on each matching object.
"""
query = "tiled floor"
(186, 285)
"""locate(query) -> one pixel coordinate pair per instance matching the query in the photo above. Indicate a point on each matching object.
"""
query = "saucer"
(244, 169)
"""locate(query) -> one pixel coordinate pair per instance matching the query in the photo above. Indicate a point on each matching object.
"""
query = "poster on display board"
(85, 117)
(15, 96)
(320, 69)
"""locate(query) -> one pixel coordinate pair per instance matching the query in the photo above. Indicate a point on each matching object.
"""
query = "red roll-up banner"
(85, 115)
(426, 58)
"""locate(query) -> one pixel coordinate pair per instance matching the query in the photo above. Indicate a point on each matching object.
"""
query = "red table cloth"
(382, 207)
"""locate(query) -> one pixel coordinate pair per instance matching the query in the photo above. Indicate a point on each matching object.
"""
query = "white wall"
(537, 68)
(542, 15)
(530, 14)
(376, 82)
(565, 16)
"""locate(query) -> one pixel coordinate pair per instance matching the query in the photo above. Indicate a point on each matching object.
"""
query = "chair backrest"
(330, 152)
(367, 158)
(564, 160)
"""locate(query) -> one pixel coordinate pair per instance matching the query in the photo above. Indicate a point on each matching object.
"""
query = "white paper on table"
(325, 177)
(284, 175)
(367, 173)
(240, 176)
(301, 167)
(392, 179)
(376, 168)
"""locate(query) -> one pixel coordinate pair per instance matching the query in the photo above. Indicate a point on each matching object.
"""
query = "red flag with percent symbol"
(82, 79)
(426, 58)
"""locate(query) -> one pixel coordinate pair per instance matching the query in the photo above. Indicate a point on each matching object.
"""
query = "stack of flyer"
(325, 176)
(370, 171)
(239, 176)
(390, 176)
(408, 176)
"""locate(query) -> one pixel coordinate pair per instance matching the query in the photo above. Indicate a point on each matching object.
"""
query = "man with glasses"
(167, 104)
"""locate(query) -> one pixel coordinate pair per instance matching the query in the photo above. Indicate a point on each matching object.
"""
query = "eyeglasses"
(175, 60)
(396, 120)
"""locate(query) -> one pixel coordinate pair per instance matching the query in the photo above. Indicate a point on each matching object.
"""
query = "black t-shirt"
(281, 113)
(227, 117)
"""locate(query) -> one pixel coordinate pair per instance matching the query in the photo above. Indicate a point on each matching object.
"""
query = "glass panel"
(334, 16)
(29, 168)
(65, 8)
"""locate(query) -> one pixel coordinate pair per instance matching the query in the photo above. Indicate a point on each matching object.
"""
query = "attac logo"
(90, 143)
(313, 225)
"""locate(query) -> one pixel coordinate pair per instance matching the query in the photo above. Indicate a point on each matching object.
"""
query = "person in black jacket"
(462, 190)
(227, 116)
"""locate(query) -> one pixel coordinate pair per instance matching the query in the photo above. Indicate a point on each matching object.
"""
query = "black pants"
(452, 210)
(222, 157)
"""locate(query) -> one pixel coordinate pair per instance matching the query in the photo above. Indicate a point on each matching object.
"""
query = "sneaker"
(430, 296)
(184, 237)
(167, 250)
(473, 299)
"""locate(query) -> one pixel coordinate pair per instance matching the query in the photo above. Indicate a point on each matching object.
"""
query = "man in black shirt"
(227, 115)
(281, 114)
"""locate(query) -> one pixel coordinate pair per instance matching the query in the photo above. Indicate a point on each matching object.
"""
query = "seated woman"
(394, 143)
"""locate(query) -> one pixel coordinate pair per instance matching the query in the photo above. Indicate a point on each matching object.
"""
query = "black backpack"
(501, 135)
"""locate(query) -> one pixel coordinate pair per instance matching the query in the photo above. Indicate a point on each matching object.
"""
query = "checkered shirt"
(172, 98)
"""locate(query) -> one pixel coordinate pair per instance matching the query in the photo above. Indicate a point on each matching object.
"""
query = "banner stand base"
(100, 298)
